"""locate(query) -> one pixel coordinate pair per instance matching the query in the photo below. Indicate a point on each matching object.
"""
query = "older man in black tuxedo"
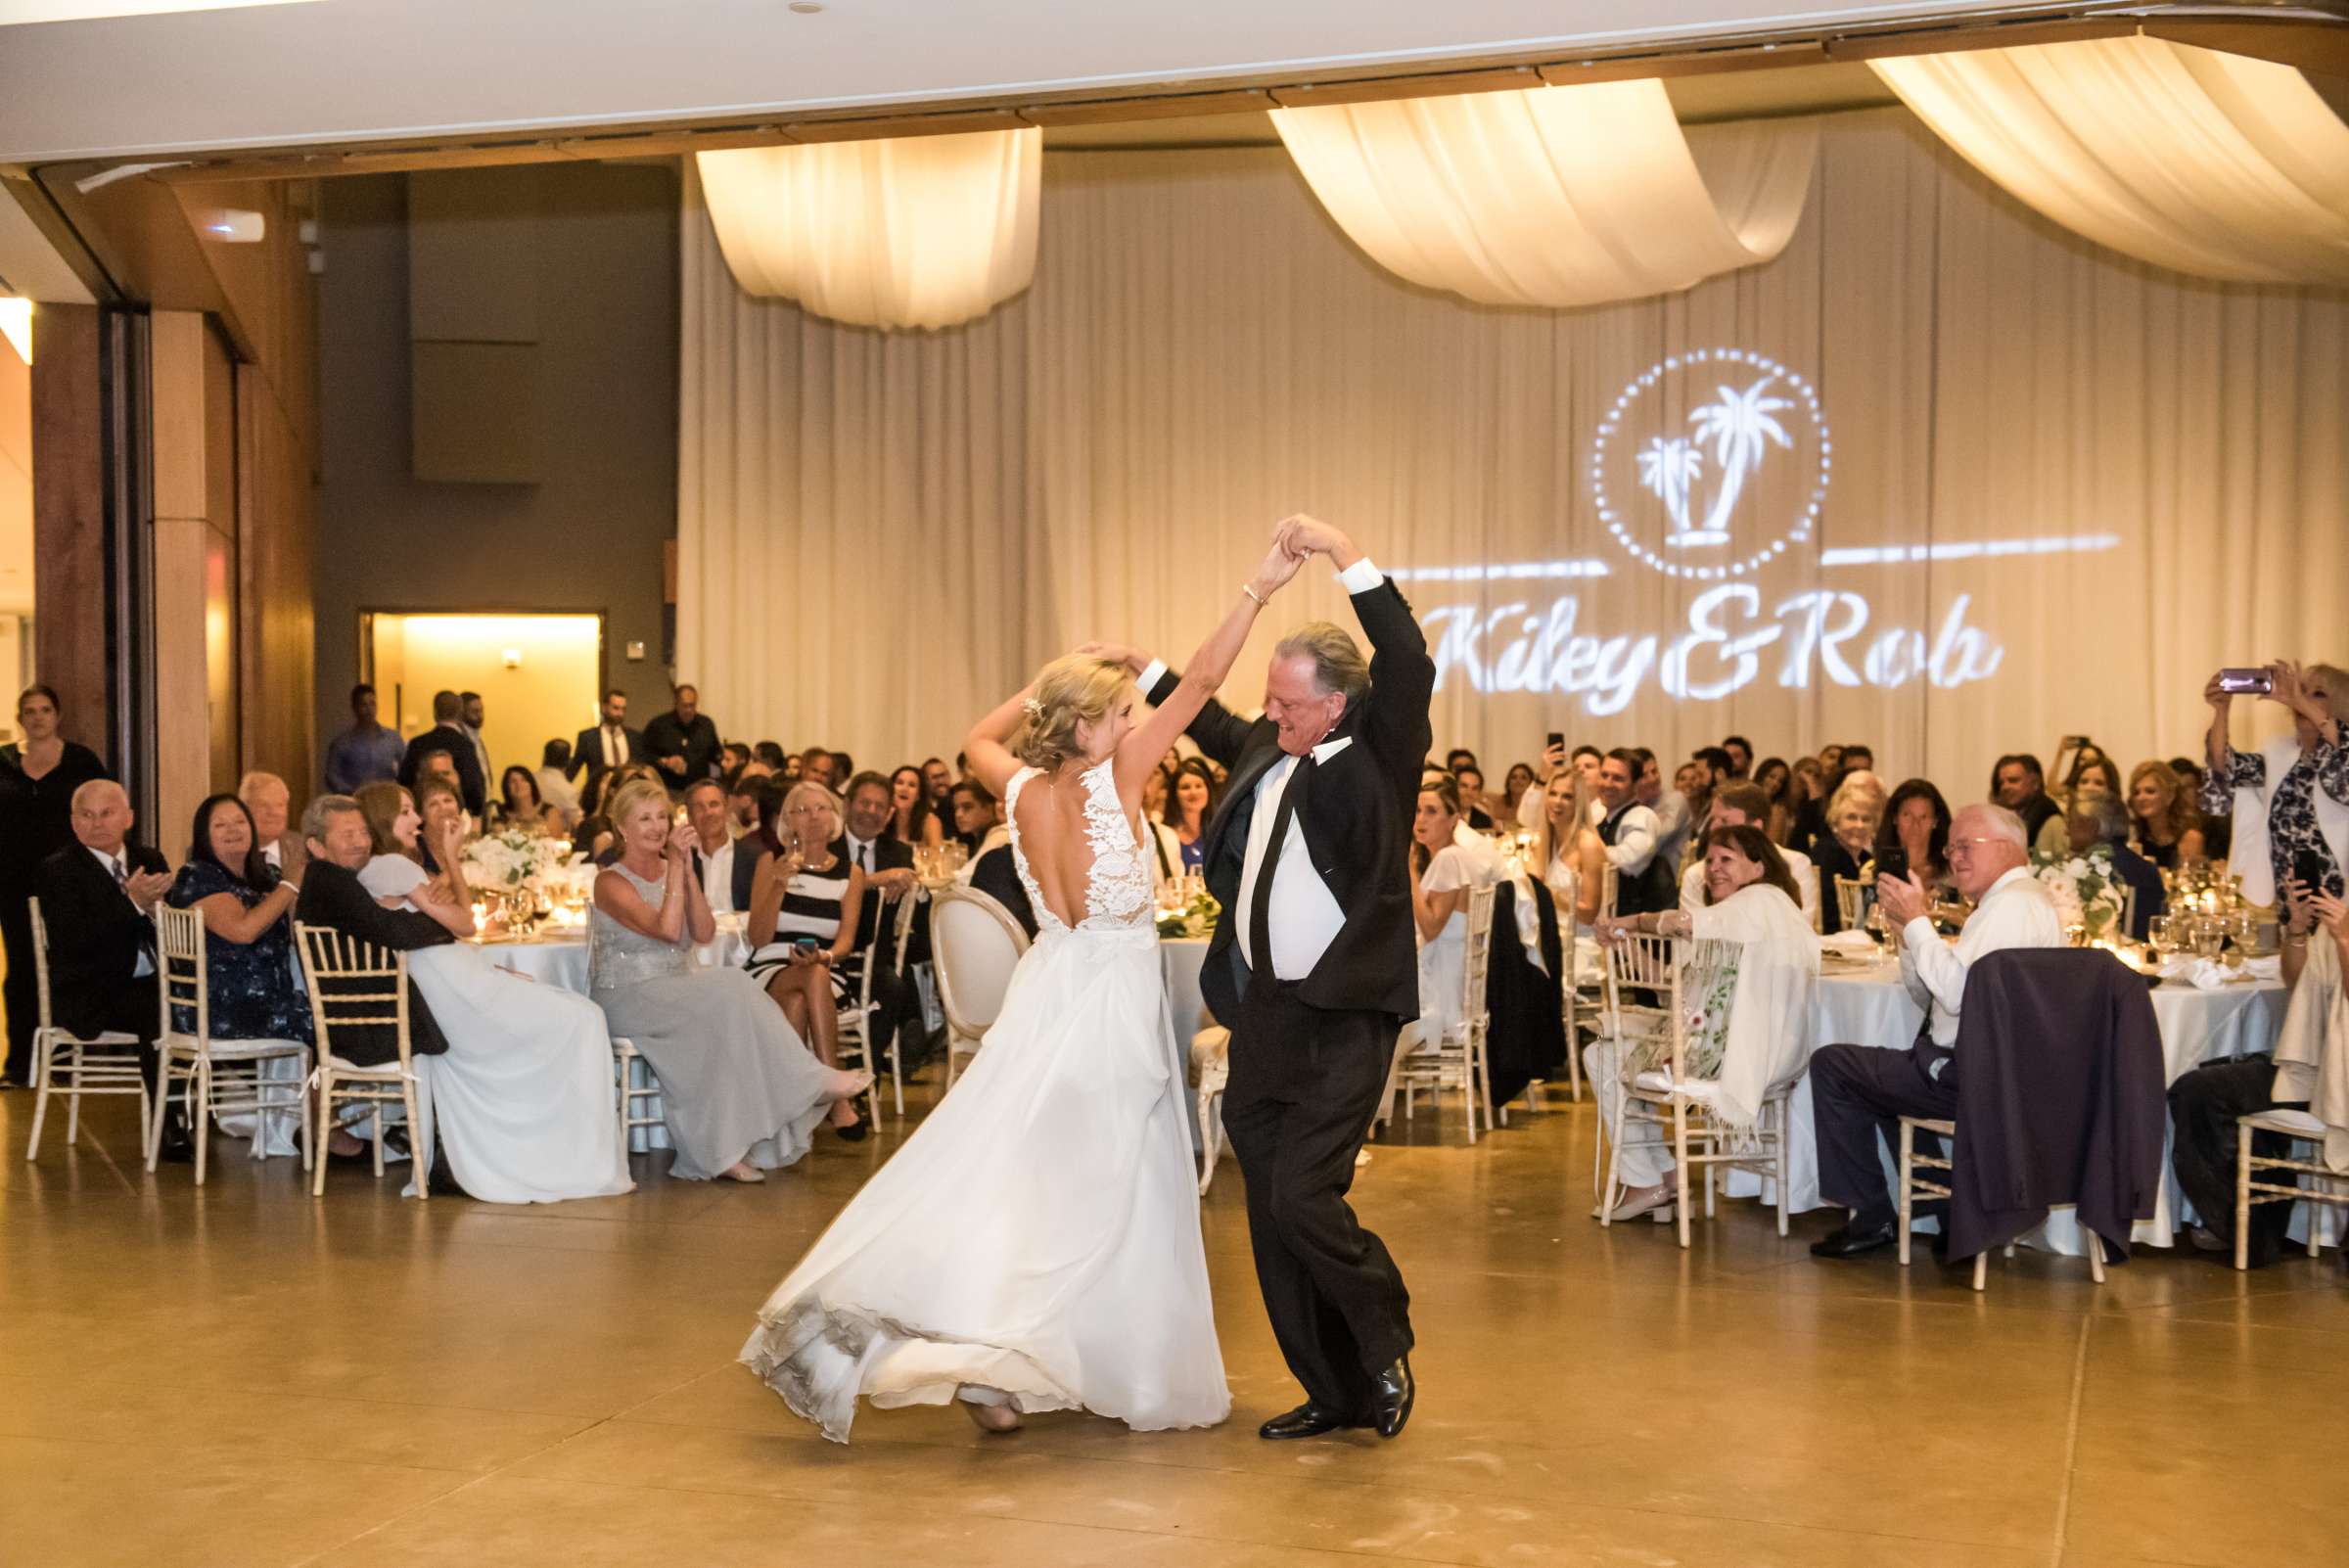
(1314, 968)
(98, 896)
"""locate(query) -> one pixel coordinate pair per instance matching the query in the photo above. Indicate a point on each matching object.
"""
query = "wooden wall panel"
(68, 507)
(276, 534)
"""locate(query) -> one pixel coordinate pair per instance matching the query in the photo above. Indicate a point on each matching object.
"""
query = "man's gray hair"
(2099, 808)
(321, 811)
(256, 779)
(90, 789)
(2000, 823)
(1337, 661)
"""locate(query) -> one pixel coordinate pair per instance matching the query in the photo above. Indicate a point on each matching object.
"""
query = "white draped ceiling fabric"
(915, 231)
(1551, 195)
(2214, 165)
(2116, 477)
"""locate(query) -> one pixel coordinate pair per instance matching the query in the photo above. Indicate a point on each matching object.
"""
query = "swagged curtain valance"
(1552, 196)
(2214, 165)
(915, 231)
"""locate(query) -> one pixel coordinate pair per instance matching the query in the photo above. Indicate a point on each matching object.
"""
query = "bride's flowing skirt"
(1039, 1235)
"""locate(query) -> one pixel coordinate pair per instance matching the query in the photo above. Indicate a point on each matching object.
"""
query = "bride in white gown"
(1035, 1245)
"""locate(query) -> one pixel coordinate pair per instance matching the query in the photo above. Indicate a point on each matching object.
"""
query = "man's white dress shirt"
(717, 878)
(860, 850)
(1305, 915)
(2017, 912)
(1806, 878)
(1635, 839)
(616, 746)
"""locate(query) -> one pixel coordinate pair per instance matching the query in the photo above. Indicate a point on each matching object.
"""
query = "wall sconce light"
(16, 325)
(512, 657)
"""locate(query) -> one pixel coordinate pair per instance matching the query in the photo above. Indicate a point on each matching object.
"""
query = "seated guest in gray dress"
(740, 1091)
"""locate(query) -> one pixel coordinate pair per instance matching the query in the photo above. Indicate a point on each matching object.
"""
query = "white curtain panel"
(2110, 477)
(916, 231)
(1551, 195)
(2209, 164)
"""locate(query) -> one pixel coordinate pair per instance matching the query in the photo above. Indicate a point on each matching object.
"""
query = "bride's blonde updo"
(1073, 689)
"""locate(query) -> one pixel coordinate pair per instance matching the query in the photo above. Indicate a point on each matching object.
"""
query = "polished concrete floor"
(245, 1376)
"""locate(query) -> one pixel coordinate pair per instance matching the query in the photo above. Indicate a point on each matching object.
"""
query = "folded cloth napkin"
(1847, 944)
(2208, 973)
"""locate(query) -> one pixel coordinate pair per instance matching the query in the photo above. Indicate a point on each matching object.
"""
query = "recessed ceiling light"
(806, 8)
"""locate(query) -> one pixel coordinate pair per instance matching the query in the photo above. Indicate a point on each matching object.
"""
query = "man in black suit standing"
(603, 747)
(683, 742)
(98, 895)
(1315, 969)
(449, 734)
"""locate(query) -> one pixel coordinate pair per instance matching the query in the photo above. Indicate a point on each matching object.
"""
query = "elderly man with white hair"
(274, 834)
(1859, 1092)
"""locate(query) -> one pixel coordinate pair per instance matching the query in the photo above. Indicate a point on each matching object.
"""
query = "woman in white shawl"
(1750, 898)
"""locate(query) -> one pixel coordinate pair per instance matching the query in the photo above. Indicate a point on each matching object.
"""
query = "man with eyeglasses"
(1860, 1093)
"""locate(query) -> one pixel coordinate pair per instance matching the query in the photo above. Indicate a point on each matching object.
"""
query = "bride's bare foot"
(991, 1417)
(742, 1171)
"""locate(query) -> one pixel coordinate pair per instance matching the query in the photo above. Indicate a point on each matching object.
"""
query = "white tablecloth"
(1871, 1007)
(563, 961)
(1179, 960)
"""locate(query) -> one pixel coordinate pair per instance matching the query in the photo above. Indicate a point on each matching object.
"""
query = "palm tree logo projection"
(1699, 472)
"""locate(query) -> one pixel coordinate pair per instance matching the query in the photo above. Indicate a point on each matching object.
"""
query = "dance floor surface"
(243, 1376)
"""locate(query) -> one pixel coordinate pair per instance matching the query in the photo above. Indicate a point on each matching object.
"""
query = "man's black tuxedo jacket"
(888, 855)
(1357, 819)
(333, 896)
(997, 875)
(747, 850)
(96, 934)
(587, 752)
(459, 746)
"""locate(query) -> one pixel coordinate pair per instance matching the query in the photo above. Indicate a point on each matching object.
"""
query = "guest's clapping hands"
(681, 842)
(145, 887)
(1902, 899)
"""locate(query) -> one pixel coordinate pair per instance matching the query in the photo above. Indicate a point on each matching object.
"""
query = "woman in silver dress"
(739, 1090)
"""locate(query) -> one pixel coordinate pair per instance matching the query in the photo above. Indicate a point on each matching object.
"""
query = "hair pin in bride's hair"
(1036, 709)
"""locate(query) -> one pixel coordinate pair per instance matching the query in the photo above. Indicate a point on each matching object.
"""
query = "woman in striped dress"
(802, 925)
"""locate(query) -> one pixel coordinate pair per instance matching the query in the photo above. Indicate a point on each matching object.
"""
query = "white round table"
(1869, 1006)
(562, 960)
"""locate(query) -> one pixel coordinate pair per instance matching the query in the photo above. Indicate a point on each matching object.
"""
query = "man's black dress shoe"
(1306, 1420)
(1391, 1394)
(1852, 1240)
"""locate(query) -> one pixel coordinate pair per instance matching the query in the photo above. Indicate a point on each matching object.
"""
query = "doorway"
(539, 675)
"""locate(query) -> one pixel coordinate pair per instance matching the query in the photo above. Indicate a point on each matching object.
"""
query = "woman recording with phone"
(2292, 796)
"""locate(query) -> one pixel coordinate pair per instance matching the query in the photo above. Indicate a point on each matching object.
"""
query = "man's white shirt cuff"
(1152, 674)
(1362, 577)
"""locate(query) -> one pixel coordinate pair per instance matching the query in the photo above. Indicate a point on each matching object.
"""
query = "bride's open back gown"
(1037, 1239)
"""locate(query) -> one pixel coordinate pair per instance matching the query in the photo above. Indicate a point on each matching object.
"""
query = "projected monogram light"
(1682, 487)
(1709, 466)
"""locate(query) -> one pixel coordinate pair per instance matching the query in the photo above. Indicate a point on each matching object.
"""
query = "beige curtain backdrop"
(880, 536)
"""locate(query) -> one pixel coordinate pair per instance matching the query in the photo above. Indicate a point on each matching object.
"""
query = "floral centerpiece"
(2088, 897)
(530, 874)
(1195, 919)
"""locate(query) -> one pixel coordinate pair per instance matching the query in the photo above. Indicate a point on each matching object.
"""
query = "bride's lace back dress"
(1039, 1235)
